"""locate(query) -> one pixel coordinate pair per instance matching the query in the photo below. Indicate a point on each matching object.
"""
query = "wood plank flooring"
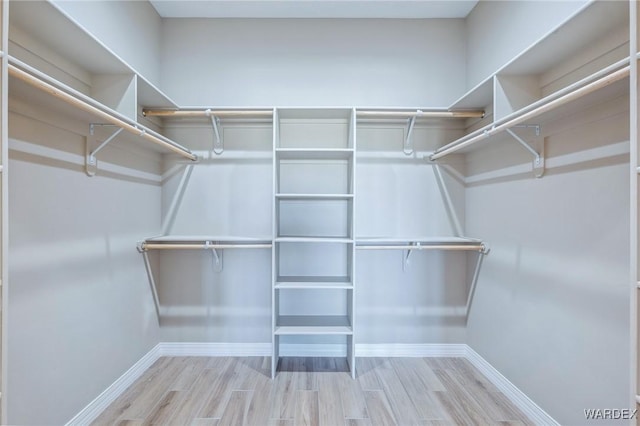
(312, 391)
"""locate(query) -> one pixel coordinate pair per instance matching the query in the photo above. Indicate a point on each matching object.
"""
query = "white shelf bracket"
(476, 274)
(407, 148)
(217, 257)
(90, 161)
(218, 145)
(538, 157)
(405, 257)
(152, 282)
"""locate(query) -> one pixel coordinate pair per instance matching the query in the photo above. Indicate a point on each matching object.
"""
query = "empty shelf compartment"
(306, 325)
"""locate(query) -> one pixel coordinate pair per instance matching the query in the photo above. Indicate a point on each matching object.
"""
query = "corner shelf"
(582, 57)
(36, 87)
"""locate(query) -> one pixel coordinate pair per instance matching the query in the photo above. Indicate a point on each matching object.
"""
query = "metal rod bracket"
(218, 145)
(90, 161)
(407, 148)
(538, 156)
(217, 257)
(405, 257)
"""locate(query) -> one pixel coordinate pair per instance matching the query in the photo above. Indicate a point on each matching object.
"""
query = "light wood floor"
(312, 391)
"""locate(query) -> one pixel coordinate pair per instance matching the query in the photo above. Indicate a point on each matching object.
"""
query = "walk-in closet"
(309, 212)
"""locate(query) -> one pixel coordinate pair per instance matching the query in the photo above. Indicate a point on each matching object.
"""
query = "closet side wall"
(499, 30)
(551, 308)
(81, 311)
(313, 62)
(131, 29)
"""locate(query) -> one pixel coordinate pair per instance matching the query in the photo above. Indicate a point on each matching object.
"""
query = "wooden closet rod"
(207, 113)
(200, 246)
(543, 105)
(418, 114)
(112, 119)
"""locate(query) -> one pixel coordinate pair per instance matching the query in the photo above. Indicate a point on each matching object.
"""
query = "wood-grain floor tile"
(164, 410)
(357, 422)
(329, 402)
(379, 409)
(306, 413)
(235, 412)
(195, 398)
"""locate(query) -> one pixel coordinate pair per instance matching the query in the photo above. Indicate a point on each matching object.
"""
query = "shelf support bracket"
(476, 274)
(152, 281)
(407, 148)
(538, 160)
(218, 145)
(90, 161)
(217, 257)
(405, 257)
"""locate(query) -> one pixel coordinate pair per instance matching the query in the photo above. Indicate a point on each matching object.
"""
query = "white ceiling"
(313, 8)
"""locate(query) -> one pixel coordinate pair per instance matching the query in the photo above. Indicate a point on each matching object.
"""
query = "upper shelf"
(51, 33)
(604, 85)
(31, 85)
(587, 27)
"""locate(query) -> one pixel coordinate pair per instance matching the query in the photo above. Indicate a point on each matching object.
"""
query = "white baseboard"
(214, 349)
(102, 401)
(536, 414)
(453, 350)
(459, 350)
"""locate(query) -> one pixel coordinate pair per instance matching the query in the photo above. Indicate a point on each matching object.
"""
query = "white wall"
(222, 197)
(131, 29)
(80, 312)
(551, 310)
(497, 31)
(310, 62)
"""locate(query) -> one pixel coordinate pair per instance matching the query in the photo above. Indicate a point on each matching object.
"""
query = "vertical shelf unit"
(314, 236)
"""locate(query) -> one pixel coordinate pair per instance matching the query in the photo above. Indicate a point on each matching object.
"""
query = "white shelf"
(586, 27)
(340, 240)
(592, 23)
(313, 282)
(313, 325)
(45, 22)
(314, 154)
(36, 89)
(314, 197)
(542, 114)
(314, 113)
(478, 97)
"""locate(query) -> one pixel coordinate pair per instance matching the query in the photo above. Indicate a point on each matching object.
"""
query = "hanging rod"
(545, 104)
(207, 113)
(81, 101)
(199, 246)
(468, 247)
(418, 114)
